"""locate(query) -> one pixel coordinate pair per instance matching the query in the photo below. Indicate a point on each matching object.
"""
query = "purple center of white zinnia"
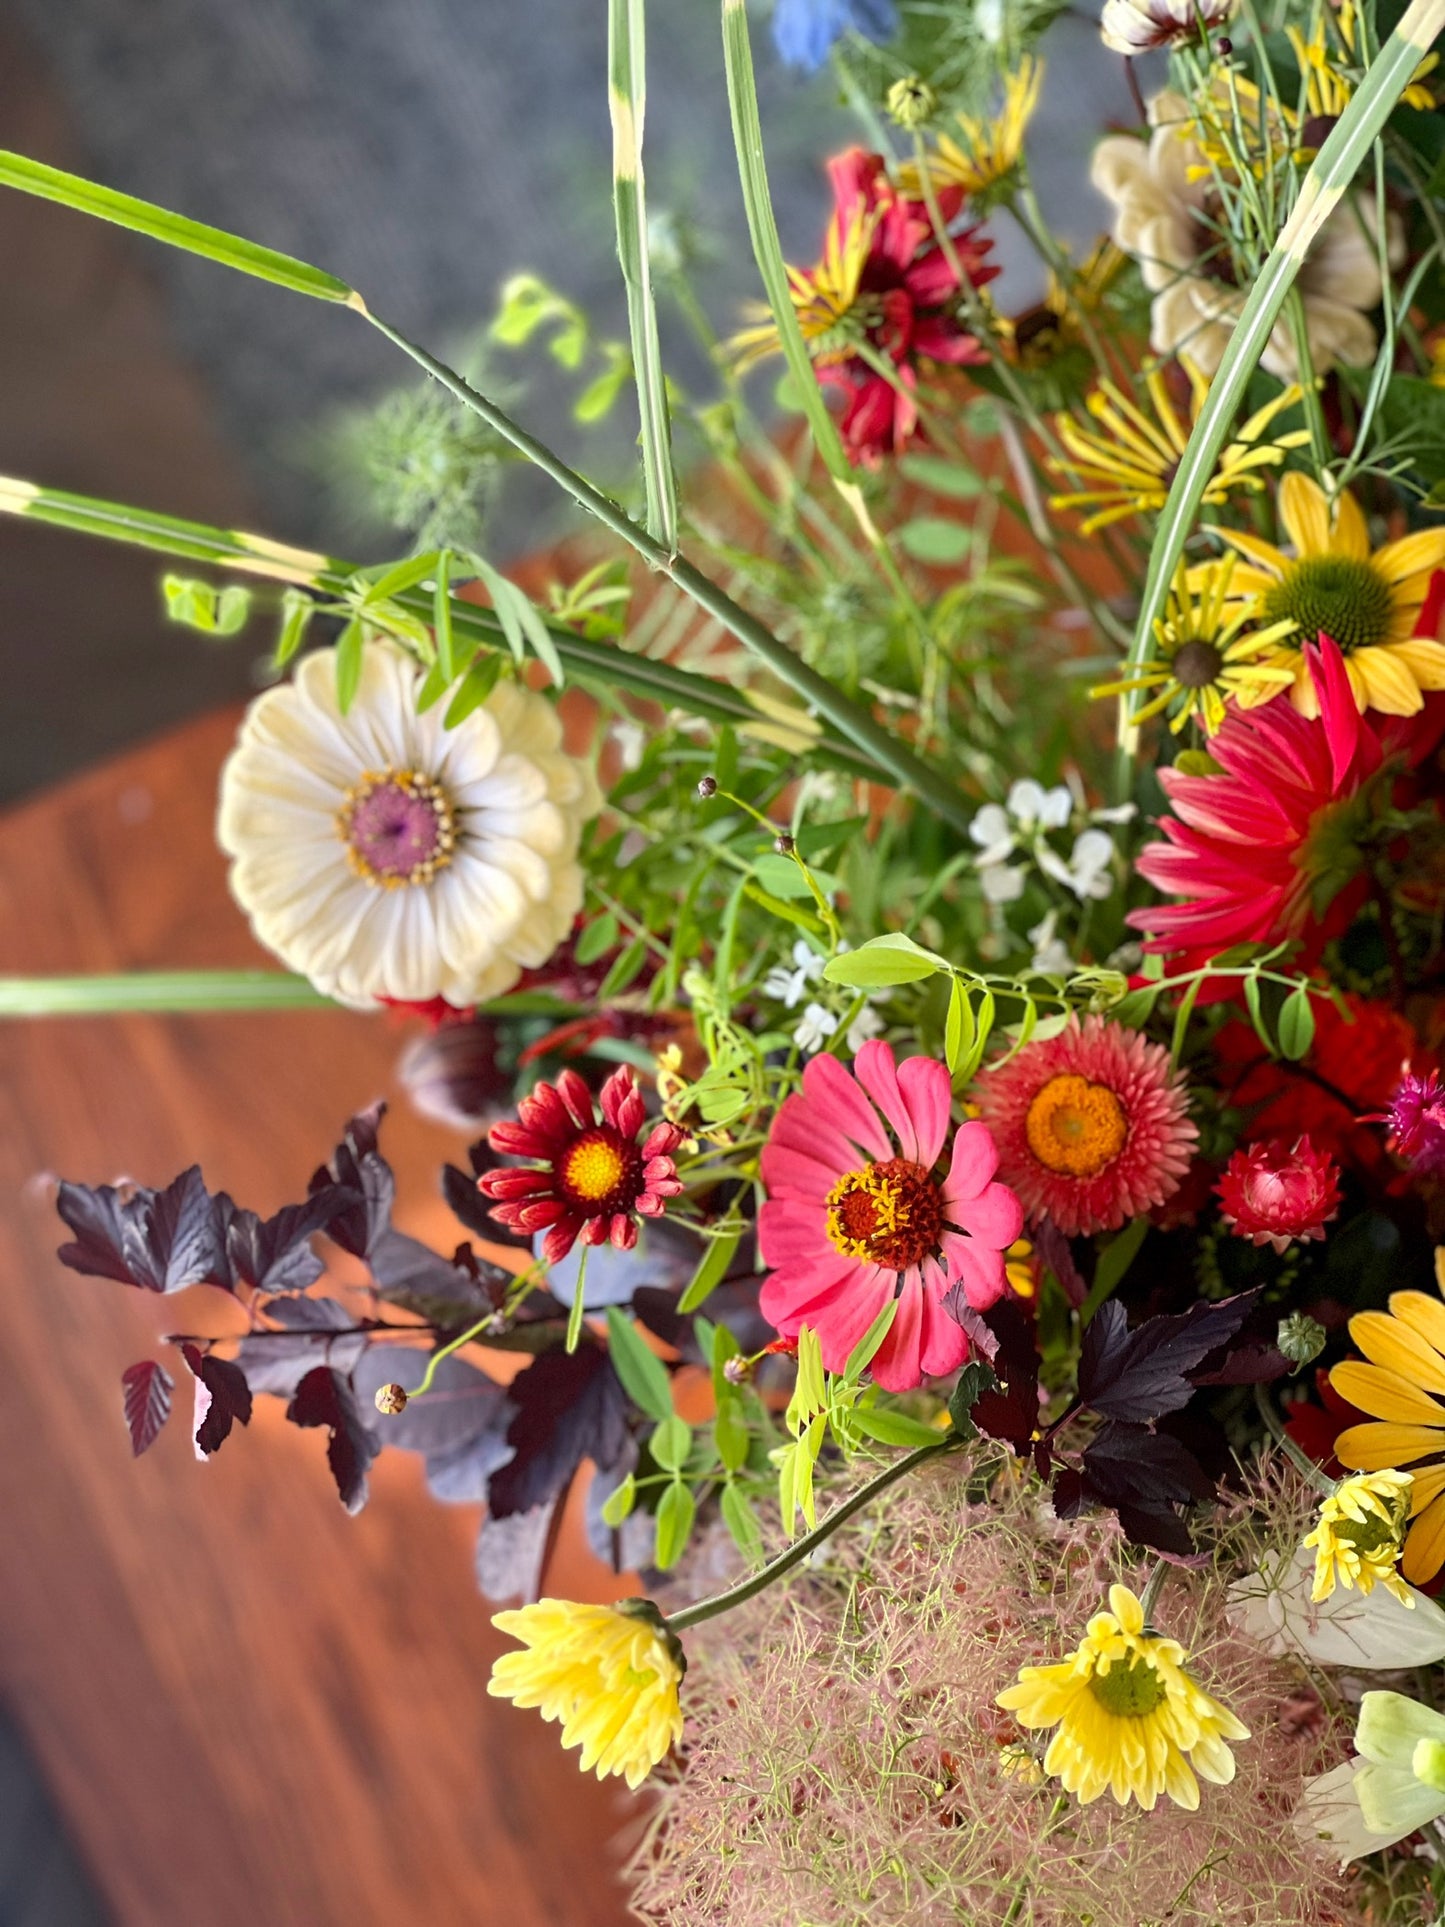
(398, 827)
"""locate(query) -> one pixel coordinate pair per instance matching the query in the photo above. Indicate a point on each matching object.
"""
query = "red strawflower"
(592, 1179)
(1260, 850)
(883, 281)
(1274, 1193)
(1092, 1125)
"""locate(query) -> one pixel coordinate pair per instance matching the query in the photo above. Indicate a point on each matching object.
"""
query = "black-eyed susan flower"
(1132, 1721)
(1360, 1534)
(986, 151)
(609, 1674)
(1206, 653)
(1128, 463)
(1400, 1383)
(1331, 582)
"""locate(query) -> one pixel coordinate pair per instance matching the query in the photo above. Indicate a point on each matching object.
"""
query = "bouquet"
(927, 917)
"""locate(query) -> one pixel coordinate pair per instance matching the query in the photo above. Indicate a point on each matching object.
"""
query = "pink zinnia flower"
(1092, 1126)
(860, 1210)
(1273, 1193)
(1256, 851)
(1416, 1117)
(592, 1179)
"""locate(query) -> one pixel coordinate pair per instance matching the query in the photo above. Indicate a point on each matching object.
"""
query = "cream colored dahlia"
(1167, 215)
(386, 857)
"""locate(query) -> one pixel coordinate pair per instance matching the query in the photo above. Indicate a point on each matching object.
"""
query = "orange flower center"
(600, 1169)
(886, 1214)
(1076, 1127)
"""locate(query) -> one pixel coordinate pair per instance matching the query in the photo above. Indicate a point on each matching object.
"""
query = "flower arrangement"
(942, 970)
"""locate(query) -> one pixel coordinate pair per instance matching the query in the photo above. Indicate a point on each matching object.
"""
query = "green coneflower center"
(886, 1214)
(398, 827)
(1129, 1692)
(1196, 665)
(1347, 599)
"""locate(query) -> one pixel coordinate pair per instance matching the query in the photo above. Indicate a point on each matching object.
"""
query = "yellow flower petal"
(1351, 535)
(1423, 1314)
(1424, 659)
(1429, 1484)
(1388, 684)
(1398, 1348)
(1304, 508)
(1416, 554)
(1425, 1544)
(1272, 562)
(1385, 1394)
(1381, 1448)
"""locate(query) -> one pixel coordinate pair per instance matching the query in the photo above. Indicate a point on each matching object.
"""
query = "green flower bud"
(912, 103)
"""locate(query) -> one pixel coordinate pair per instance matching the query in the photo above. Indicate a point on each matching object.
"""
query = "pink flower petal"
(928, 1091)
(994, 1218)
(790, 1296)
(975, 1159)
(898, 1363)
(945, 1344)
(793, 1230)
(841, 1104)
(844, 1320)
(978, 1268)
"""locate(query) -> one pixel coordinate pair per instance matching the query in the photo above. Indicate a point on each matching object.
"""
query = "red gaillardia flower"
(1258, 851)
(1092, 1126)
(861, 1209)
(592, 1179)
(1274, 1193)
(1416, 1117)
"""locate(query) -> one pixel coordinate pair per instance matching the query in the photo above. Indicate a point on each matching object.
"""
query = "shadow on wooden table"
(253, 1710)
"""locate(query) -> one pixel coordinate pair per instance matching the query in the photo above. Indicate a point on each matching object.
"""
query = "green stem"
(796, 1553)
(579, 1302)
(157, 990)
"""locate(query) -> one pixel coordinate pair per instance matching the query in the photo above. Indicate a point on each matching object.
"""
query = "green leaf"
(473, 689)
(348, 664)
(625, 967)
(724, 1347)
(1114, 1261)
(442, 618)
(1136, 1007)
(942, 477)
(396, 580)
(731, 1434)
(1254, 1001)
(1181, 1019)
(782, 877)
(888, 1427)
(144, 217)
(932, 538)
(983, 1030)
(883, 962)
(960, 1029)
(643, 1374)
(204, 607)
(740, 1517)
(670, 1443)
(974, 1380)
(619, 1502)
(297, 609)
(866, 1349)
(521, 624)
(1413, 412)
(599, 935)
(713, 1265)
(1296, 1024)
(674, 1525)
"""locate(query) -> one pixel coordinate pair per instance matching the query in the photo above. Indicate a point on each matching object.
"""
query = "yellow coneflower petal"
(1388, 684)
(1351, 535)
(1429, 1484)
(1399, 1348)
(1425, 660)
(1381, 1448)
(1425, 1544)
(1304, 508)
(1423, 1314)
(1416, 554)
(1271, 563)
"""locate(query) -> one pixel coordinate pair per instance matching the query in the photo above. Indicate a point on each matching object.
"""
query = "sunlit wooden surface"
(253, 1710)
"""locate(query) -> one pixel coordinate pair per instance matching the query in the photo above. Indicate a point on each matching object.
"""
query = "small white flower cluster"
(817, 1023)
(1020, 826)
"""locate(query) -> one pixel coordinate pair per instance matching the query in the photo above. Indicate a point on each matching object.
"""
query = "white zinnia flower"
(1136, 26)
(385, 856)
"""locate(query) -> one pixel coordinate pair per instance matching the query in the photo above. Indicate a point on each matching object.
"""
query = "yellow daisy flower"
(1359, 1536)
(1131, 1720)
(610, 1674)
(825, 297)
(1330, 582)
(987, 150)
(1404, 1365)
(1129, 467)
(1203, 658)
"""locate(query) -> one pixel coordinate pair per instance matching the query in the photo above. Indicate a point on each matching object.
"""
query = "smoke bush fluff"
(844, 1762)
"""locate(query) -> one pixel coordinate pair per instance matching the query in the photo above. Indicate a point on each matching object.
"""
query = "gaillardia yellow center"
(600, 1169)
(886, 1214)
(1076, 1127)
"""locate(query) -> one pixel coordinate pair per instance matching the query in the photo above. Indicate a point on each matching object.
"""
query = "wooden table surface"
(253, 1710)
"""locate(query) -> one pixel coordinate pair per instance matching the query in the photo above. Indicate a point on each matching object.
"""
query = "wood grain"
(251, 1708)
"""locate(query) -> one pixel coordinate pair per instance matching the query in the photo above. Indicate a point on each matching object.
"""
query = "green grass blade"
(144, 217)
(157, 990)
(627, 98)
(1335, 167)
(767, 249)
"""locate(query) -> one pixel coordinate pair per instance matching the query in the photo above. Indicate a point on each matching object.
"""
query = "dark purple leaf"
(512, 1553)
(324, 1397)
(460, 1426)
(1141, 1374)
(100, 1217)
(222, 1397)
(276, 1255)
(147, 1388)
(461, 1193)
(310, 1314)
(1142, 1476)
(1010, 1409)
(411, 1275)
(360, 1169)
(276, 1362)
(567, 1407)
(1056, 1254)
(1244, 1365)
(156, 1240)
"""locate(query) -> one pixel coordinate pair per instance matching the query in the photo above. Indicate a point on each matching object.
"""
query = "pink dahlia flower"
(861, 1208)
(592, 1178)
(1257, 850)
(1416, 1118)
(1092, 1126)
(1274, 1193)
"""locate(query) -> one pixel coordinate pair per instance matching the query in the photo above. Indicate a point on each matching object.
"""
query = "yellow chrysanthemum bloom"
(986, 150)
(1360, 1534)
(610, 1674)
(1330, 582)
(1131, 1720)
(1129, 467)
(1404, 1364)
(1203, 658)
